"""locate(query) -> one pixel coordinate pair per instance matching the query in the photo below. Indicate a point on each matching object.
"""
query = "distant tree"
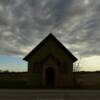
(0, 71)
(76, 70)
(76, 67)
(6, 71)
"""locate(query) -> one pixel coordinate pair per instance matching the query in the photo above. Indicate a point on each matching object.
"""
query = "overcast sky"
(76, 23)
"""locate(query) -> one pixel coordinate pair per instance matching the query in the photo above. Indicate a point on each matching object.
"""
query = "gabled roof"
(50, 36)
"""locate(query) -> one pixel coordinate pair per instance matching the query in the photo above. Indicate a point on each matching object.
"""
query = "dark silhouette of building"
(50, 64)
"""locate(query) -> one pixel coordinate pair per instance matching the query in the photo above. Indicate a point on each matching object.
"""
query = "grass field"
(13, 84)
(89, 80)
(84, 80)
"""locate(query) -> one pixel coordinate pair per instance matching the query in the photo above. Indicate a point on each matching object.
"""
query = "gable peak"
(50, 35)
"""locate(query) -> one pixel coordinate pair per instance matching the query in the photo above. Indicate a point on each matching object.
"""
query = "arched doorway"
(50, 76)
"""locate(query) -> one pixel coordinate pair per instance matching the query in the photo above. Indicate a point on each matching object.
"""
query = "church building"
(50, 64)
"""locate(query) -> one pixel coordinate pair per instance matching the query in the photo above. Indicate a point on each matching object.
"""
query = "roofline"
(33, 50)
(42, 42)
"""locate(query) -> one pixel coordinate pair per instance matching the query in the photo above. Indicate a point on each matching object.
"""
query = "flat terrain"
(49, 94)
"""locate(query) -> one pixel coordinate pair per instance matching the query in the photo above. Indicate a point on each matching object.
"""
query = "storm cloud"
(24, 23)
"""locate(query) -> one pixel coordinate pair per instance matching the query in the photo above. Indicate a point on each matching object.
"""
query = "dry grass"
(85, 80)
(89, 80)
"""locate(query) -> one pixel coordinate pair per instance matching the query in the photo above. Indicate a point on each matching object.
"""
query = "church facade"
(50, 65)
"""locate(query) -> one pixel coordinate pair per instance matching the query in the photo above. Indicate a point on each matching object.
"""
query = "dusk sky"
(24, 23)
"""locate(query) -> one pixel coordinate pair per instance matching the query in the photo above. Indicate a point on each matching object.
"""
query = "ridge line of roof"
(43, 41)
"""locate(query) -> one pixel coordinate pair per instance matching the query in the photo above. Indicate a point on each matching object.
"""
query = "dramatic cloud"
(24, 23)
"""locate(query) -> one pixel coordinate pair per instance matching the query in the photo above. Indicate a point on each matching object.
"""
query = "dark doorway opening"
(50, 76)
